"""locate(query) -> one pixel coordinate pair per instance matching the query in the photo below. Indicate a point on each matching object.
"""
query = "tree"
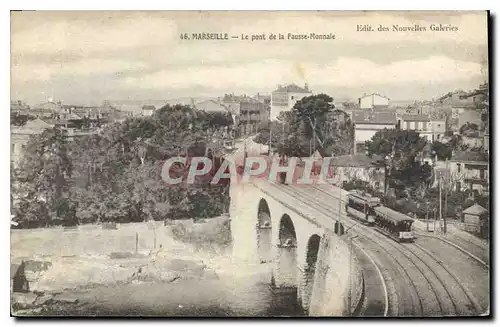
(443, 151)
(45, 178)
(116, 175)
(400, 150)
(468, 127)
(313, 111)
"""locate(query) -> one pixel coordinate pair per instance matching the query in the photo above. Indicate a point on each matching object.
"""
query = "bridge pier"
(285, 267)
(244, 227)
(264, 244)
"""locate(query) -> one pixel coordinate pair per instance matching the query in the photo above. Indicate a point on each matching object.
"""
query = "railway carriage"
(361, 206)
(394, 224)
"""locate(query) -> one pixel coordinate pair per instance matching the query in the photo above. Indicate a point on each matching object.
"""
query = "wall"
(471, 219)
(473, 142)
(284, 101)
(294, 97)
(375, 176)
(364, 132)
(331, 285)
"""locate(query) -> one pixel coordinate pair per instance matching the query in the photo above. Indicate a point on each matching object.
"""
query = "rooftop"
(32, 126)
(475, 209)
(415, 118)
(369, 117)
(292, 88)
(211, 106)
(360, 160)
(473, 156)
(369, 95)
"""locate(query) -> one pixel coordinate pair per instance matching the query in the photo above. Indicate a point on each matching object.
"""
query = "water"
(236, 289)
(227, 296)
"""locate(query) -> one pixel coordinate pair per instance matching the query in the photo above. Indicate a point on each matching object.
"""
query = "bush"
(213, 233)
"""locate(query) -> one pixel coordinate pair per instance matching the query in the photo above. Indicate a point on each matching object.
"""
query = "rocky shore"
(91, 283)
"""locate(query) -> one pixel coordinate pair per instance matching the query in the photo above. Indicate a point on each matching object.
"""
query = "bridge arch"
(264, 232)
(287, 235)
(310, 269)
(286, 270)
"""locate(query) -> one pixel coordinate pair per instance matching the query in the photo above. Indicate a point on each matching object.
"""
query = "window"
(459, 167)
(291, 97)
(481, 173)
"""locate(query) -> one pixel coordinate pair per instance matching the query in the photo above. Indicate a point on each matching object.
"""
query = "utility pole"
(427, 216)
(270, 138)
(440, 200)
(445, 207)
(314, 140)
(283, 137)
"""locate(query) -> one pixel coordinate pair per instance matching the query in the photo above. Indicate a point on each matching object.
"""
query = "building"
(252, 113)
(148, 110)
(370, 170)
(373, 101)
(211, 106)
(249, 112)
(19, 108)
(419, 123)
(367, 123)
(19, 137)
(266, 99)
(50, 106)
(475, 219)
(464, 108)
(430, 129)
(284, 98)
(438, 128)
(487, 137)
(469, 171)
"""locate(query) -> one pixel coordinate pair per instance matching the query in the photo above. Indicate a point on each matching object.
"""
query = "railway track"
(376, 286)
(424, 281)
(471, 249)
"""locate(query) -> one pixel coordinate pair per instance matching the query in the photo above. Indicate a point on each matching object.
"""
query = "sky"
(88, 57)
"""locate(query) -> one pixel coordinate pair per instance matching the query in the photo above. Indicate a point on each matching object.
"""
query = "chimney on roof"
(306, 87)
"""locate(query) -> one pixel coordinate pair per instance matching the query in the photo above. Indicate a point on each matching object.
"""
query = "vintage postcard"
(250, 164)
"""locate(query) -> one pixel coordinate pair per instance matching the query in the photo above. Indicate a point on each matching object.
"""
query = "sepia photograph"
(250, 164)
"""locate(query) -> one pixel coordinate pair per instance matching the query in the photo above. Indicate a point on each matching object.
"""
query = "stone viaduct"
(307, 251)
